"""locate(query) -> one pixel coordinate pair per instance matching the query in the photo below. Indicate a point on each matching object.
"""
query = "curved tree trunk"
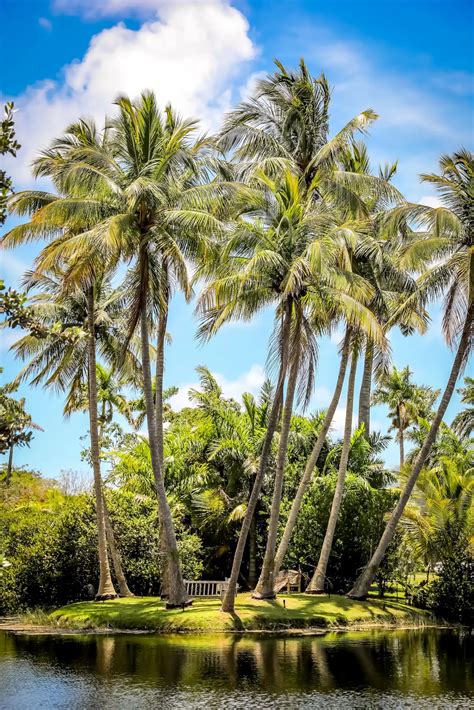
(313, 459)
(106, 588)
(317, 584)
(253, 574)
(365, 389)
(160, 369)
(265, 584)
(115, 554)
(364, 581)
(228, 602)
(401, 442)
(8, 476)
(176, 590)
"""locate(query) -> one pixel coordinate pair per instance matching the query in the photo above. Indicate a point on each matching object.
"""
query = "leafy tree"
(8, 144)
(16, 424)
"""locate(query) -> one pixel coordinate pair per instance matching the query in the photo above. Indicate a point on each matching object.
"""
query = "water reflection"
(369, 669)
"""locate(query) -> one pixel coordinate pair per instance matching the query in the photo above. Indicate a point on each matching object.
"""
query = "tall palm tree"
(110, 399)
(138, 188)
(449, 243)
(65, 364)
(286, 124)
(406, 402)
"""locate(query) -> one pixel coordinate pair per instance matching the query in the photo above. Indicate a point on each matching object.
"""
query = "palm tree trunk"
(8, 476)
(401, 441)
(364, 581)
(114, 552)
(160, 369)
(106, 588)
(115, 555)
(228, 603)
(253, 552)
(265, 585)
(365, 389)
(317, 584)
(313, 459)
(177, 591)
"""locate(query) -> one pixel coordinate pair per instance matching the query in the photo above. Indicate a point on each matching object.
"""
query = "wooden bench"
(206, 588)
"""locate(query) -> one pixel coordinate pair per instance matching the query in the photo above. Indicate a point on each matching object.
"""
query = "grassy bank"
(301, 612)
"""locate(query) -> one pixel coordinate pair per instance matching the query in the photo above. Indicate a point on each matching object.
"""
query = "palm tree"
(463, 423)
(138, 189)
(406, 402)
(449, 238)
(64, 364)
(110, 398)
(285, 125)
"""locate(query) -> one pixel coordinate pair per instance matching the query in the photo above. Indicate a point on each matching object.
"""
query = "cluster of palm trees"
(270, 213)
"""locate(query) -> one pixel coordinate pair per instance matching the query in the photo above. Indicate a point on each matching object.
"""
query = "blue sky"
(410, 60)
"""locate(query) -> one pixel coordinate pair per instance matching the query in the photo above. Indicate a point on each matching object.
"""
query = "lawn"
(149, 613)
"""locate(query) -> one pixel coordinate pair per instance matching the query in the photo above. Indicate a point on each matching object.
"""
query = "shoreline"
(24, 629)
(294, 615)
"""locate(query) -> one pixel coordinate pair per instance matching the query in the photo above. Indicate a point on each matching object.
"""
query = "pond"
(377, 669)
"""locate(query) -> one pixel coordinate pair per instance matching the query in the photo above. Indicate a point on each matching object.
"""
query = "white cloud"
(9, 337)
(45, 23)
(338, 421)
(430, 201)
(250, 381)
(188, 56)
(321, 398)
(11, 266)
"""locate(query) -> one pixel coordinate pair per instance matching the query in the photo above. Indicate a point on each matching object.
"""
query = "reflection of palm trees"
(105, 655)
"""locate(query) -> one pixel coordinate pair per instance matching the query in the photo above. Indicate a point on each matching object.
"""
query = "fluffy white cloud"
(189, 56)
(250, 381)
(430, 201)
(111, 8)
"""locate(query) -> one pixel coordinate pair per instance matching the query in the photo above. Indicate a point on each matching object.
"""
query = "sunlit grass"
(149, 613)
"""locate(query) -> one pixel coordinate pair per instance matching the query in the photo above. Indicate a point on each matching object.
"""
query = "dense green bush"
(50, 541)
(358, 530)
(451, 594)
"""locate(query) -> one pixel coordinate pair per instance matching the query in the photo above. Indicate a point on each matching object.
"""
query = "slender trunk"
(365, 389)
(177, 591)
(401, 441)
(115, 554)
(317, 584)
(313, 459)
(9, 466)
(160, 368)
(265, 585)
(228, 602)
(253, 552)
(365, 579)
(106, 587)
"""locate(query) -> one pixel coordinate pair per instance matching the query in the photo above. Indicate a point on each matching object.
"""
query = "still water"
(378, 669)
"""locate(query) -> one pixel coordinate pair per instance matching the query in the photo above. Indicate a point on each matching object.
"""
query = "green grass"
(149, 613)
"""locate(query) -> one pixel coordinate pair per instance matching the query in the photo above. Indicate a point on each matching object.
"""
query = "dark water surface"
(377, 669)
